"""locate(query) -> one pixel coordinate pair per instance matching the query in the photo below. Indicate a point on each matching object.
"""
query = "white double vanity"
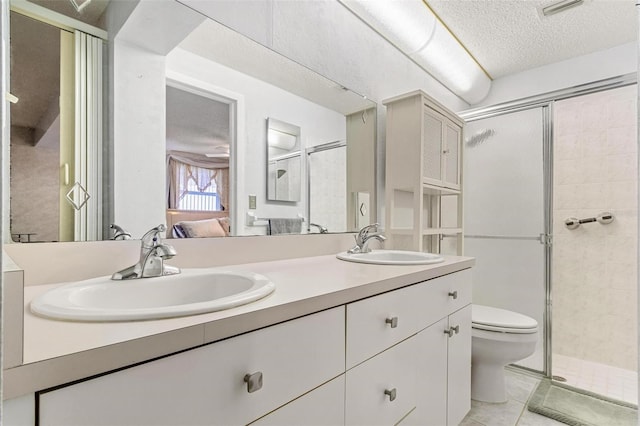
(336, 343)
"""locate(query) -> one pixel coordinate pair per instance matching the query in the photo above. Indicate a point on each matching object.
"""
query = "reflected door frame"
(237, 144)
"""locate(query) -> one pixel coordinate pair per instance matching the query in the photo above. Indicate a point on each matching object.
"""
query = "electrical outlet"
(252, 202)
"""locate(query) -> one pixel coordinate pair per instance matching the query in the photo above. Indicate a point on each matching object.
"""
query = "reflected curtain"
(185, 166)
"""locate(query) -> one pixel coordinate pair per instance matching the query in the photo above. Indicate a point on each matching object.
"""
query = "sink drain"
(558, 378)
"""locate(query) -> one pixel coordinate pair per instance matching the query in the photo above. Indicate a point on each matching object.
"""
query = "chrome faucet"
(365, 235)
(321, 228)
(153, 253)
(119, 233)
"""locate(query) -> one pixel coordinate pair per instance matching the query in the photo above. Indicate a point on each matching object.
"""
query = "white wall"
(596, 66)
(260, 101)
(139, 138)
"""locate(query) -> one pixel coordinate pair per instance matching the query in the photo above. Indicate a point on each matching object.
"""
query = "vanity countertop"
(59, 352)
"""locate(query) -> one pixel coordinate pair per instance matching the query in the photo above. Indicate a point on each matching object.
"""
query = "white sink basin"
(194, 291)
(392, 257)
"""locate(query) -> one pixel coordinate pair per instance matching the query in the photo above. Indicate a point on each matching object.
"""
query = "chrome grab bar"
(603, 218)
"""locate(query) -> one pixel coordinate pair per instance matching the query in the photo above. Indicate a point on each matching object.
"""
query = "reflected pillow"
(202, 228)
(178, 232)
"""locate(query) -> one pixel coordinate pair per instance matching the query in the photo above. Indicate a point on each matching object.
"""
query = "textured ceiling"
(35, 69)
(195, 123)
(508, 36)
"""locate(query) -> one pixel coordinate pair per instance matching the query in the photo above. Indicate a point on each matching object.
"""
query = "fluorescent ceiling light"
(80, 4)
(281, 140)
(414, 29)
(560, 6)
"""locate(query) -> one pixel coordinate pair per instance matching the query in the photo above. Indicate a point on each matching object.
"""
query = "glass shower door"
(505, 220)
(327, 186)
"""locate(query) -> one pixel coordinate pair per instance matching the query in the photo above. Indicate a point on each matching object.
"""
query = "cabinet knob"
(393, 321)
(453, 294)
(446, 151)
(253, 381)
(391, 393)
(452, 330)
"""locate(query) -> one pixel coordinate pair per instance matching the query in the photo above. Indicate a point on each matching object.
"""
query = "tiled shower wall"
(594, 267)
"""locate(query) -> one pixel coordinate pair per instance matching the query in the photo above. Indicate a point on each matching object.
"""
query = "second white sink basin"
(194, 291)
(392, 257)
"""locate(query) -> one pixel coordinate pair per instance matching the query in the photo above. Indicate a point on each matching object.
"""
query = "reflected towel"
(285, 226)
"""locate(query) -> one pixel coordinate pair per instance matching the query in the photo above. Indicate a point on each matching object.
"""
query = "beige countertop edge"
(66, 369)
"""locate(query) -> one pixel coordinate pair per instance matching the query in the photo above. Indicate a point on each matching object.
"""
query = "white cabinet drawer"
(379, 322)
(206, 385)
(323, 406)
(372, 385)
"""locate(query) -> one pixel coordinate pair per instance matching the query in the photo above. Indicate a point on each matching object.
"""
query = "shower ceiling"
(510, 36)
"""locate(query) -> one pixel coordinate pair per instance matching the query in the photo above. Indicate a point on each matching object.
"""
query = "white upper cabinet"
(423, 185)
(441, 139)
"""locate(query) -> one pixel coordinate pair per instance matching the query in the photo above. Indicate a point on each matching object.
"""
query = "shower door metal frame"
(546, 102)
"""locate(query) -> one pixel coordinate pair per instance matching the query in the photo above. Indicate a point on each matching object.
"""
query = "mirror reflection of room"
(121, 179)
(56, 132)
(198, 150)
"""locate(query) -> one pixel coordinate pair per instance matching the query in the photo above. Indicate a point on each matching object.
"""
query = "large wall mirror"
(188, 136)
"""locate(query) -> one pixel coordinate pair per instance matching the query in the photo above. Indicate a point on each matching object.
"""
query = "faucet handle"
(151, 237)
(364, 232)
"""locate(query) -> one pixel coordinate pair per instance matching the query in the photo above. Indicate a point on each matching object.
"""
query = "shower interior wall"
(594, 267)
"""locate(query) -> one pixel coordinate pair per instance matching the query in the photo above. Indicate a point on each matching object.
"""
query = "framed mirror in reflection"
(283, 161)
(187, 138)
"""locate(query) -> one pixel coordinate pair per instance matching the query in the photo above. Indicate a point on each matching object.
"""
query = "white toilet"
(499, 337)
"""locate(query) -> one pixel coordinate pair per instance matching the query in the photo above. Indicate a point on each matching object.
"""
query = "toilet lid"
(495, 319)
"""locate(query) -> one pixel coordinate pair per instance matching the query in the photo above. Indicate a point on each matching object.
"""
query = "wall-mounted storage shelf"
(423, 175)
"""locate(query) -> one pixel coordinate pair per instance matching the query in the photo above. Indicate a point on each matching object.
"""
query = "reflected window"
(195, 188)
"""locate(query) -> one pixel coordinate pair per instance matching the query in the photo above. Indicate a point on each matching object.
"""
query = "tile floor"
(603, 379)
(514, 412)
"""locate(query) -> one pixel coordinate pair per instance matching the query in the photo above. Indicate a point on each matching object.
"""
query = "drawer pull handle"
(253, 381)
(392, 321)
(453, 294)
(452, 330)
(391, 393)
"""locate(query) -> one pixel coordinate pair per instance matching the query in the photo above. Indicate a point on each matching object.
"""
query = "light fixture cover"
(80, 4)
(560, 6)
(414, 29)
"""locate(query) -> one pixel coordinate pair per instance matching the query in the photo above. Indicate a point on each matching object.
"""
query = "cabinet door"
(451, 155)
(382, 390)
(207, 385)
(459, 367)
(321, 407)
(432, 146)
(431, 373)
